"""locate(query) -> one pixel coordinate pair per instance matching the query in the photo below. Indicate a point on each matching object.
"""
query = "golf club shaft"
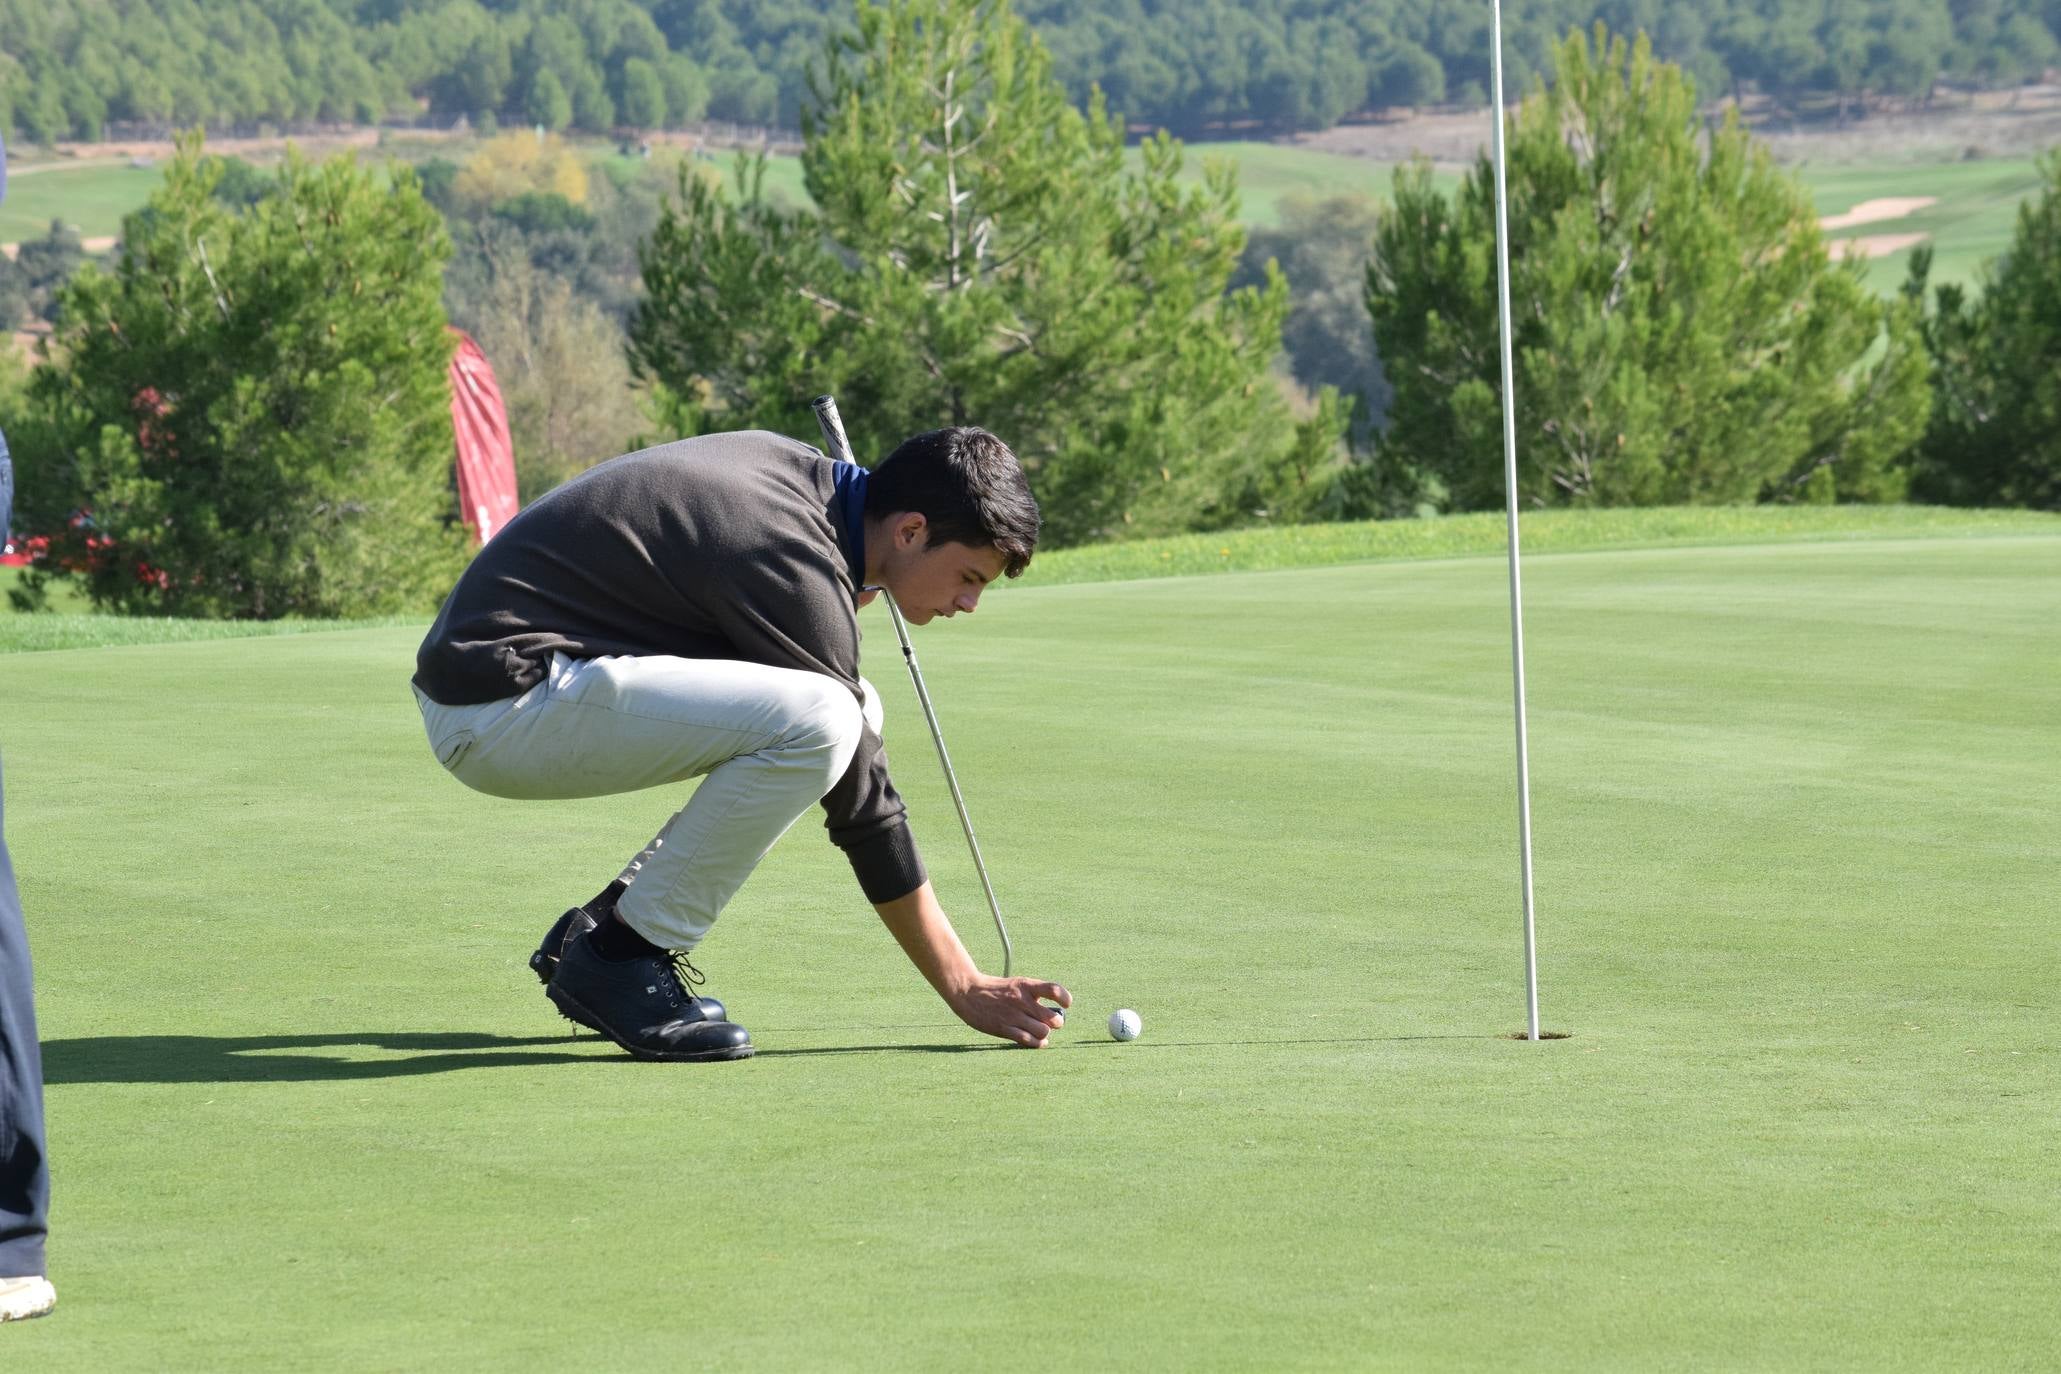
(951, 779)
(836, 445)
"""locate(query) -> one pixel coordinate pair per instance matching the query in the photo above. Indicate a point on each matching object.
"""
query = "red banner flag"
(486, 458)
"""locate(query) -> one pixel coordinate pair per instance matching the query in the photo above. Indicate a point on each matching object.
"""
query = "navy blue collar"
(851, 479)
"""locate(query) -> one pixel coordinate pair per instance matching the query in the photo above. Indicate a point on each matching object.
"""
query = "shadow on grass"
(1098, 1044)
(299, 1058)
(405, 1054)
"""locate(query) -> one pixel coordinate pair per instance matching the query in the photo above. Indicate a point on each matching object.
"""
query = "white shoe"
(25, 1297)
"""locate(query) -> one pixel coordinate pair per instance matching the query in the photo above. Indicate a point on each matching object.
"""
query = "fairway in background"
(1270, 172)
(1795, 841)
(1973, 219)
(92, 198)
(95, 196)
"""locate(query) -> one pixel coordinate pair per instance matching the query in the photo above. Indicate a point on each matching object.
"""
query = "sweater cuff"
(887, 864)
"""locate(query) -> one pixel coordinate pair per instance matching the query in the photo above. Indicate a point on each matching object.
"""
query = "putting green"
(1795, 825)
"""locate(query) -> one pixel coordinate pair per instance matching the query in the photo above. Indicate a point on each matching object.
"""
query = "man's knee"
(826, 728)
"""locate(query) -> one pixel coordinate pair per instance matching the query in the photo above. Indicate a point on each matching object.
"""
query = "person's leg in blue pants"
(24, 1174)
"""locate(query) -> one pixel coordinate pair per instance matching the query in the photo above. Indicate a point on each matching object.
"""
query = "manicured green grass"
(72, 625)
(93, 198)
(1795, 830)
(1973, 222)
(43, 633)
(1560, 531)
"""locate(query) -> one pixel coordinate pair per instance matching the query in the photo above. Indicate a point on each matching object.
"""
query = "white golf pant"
(767, 743)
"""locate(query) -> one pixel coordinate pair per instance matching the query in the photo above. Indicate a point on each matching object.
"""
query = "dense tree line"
(71, 68)
(1190, 64)
(245, 414)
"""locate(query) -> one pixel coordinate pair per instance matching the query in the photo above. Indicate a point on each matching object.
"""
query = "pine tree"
(1996, 419)
(249, 415)
(980, 255)
(1681, 334)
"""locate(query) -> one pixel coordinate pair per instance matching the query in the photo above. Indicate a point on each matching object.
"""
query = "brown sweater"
(733, 546)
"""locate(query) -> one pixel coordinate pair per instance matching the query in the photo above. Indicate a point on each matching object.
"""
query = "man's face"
(930, 580)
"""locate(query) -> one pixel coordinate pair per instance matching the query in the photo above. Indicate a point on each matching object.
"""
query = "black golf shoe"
(642, 1004)
(579, 920)
(544, 962)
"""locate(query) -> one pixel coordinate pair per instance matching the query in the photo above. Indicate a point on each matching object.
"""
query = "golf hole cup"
(1125, 1025)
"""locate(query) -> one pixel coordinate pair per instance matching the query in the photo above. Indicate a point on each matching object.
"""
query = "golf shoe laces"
(686, 977)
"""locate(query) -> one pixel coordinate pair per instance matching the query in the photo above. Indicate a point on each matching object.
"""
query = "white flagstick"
(1531, 948)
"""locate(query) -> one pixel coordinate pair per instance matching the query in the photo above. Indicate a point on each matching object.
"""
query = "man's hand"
(1007, 1008)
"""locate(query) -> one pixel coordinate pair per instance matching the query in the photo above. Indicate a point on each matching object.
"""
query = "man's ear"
(912, 530)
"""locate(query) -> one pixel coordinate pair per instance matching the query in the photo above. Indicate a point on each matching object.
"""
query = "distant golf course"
(1971, 219)
(1795, 798)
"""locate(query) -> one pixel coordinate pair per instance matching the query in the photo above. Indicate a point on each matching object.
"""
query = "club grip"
(834, 442)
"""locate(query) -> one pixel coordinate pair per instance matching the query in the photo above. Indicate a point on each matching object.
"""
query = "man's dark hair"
(967, 485)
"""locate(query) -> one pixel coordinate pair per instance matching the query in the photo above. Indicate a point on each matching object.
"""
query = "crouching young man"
(690, 611)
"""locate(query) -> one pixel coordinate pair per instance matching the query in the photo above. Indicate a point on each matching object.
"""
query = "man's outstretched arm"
(1007, 1008)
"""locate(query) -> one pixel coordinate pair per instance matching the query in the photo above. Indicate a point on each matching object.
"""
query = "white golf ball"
(1125, 1025)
